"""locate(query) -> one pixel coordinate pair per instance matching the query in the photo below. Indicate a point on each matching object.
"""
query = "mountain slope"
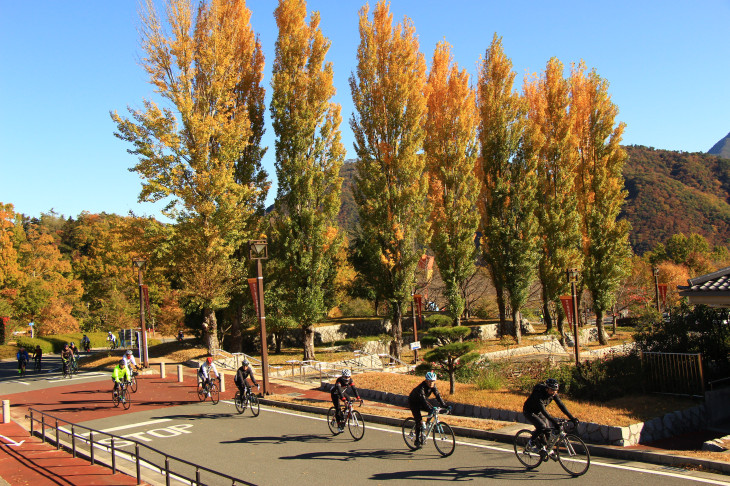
(721, 148)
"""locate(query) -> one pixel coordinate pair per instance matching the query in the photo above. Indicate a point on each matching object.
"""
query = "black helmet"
(552, 383)
(122, 363)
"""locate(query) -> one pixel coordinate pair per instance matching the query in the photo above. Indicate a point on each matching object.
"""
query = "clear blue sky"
(66, 64)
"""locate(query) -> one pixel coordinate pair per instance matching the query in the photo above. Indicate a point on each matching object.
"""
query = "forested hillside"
(668, 193)
(721, 148)
(676, 192)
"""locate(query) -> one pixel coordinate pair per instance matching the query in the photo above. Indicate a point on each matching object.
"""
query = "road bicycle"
(86, 346)
(37, 364)
(111, 347)
(133, 381)
(74, 366)
(66, 366)
(209, 388)
(443, 436)
(122, 396)
(248, 399)
(567, 449)
(21, 367)
(353, 419)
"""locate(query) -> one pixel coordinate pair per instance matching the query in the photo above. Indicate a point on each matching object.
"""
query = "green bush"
(30, 344)
(54, 343)
(438, 320)
(357, 308)
(489, 380)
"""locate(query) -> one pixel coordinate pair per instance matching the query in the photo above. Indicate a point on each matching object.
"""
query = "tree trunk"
(546, 316)
(278, 337)
(210, 328)
(451, 381)
(599, 326)
(561, 328)
(516, 318)
(614, 320)
(377, 303)
(502, 313)
(396, 330)
(308, 342)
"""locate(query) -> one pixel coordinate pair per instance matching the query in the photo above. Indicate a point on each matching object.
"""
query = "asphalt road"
(282, 447)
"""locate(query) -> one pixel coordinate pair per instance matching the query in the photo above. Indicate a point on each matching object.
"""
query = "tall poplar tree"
(10, 273)
(195, 152)
(599, 183)
(309, 155)
(391, 183)
(451, 153)
(509, 185)
(550, 131)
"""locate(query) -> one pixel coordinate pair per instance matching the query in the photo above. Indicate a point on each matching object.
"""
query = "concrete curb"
(612, 452)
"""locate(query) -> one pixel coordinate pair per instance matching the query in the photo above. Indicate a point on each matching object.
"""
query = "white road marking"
(17, 381)
(78, 377)
(502, 449)
(11, 442)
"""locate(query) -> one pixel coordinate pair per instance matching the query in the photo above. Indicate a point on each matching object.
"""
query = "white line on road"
(18, 382)
(122, 427)
(77, 377)
(502, 449)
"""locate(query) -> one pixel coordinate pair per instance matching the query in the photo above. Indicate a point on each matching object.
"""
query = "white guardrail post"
(6, 411)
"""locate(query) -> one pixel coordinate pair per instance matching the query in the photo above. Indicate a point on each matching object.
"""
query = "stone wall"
(718, 410)
(669, 425)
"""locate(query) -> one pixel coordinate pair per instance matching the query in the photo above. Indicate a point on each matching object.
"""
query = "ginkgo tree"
(391, 182)
(196, 153)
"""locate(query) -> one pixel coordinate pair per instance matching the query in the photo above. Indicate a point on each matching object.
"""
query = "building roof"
(711, 289)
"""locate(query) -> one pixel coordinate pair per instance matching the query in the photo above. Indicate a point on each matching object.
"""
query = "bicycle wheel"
(573, 455)
(332, 421)
(202, 392)
(526, 453)
(133, 384)
(214, 393)
(356, 425)
(126, 399)
(74, 368)
(22, 370)
(253, 402)
(443, 439)
(115, 399)
(409, 433)
(240, 404)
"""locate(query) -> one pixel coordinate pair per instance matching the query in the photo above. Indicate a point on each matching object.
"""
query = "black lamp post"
(145, 358)
(572, 274)
(656, 287)
(258, 250)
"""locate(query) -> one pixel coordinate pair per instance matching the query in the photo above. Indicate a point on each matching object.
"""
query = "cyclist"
(535, 411)
(119, 374)
(66, 357)
(85, 343)
(204, 372)
(418, 401)
(23, 359)
(74, 350)
(180, 335)
(130, 361)
(339, 392)
(112, 340)
(37, 357)
(244, 371)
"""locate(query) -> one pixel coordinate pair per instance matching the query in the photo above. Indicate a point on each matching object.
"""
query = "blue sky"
(66, 64)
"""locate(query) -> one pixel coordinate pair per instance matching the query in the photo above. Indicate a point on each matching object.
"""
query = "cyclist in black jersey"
(418, 401)
(244, 371)
(339, 392)
(535, 408)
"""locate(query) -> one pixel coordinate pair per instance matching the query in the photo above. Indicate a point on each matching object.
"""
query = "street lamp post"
(145, 357)
(656, 287)
(572, 274)
(258, 250)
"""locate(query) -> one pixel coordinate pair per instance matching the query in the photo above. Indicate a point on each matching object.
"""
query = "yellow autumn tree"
(391, 182)
(451, 152)
(196, 153)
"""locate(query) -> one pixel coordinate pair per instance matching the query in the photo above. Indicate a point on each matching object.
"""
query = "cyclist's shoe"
(341, 429)
(543, 453)
(553, 455)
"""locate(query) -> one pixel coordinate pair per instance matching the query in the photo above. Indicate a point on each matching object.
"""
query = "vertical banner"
(253, 285)
(418, 299)
(567, 302)
(663, 294)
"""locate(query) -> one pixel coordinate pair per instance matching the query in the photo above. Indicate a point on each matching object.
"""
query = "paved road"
(283, 447)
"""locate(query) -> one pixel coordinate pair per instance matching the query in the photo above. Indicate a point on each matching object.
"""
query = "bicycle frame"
(432, 420)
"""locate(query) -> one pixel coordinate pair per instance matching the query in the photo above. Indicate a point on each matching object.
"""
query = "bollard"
(179, 373)
(6, 411)
(162, 369)
(222, 377)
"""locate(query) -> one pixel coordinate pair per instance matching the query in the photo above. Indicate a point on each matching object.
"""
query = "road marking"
(11, 442)
(502, 449)
(121, 427)
(77, 377)
(18, 382)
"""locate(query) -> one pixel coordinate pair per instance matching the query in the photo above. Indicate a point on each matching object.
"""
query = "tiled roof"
(718, 281)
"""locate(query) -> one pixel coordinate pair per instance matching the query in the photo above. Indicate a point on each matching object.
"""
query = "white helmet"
(346, 373)
(129, 352)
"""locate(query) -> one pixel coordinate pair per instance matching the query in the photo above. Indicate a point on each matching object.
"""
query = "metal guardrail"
(673, 373)
(109, 443)
(714, 383)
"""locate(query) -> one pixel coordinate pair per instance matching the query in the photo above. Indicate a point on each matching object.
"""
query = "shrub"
(438, 320)
(489, 380)
(357, 308)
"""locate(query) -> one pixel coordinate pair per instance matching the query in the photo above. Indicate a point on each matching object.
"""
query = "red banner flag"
(567, 302)
(253, 285)
(418, 299)
(663, 294)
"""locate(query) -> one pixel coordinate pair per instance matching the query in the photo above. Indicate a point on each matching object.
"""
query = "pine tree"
(391, 183)
(551, 136)
(599, 183)
(197, 153)
(309, 155)
(451, 153)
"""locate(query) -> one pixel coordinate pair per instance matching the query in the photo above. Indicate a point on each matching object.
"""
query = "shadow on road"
(389, 454)
(308, 438)
(467, 474)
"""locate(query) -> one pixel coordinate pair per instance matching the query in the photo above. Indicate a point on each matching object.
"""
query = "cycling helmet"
(209, 360)
(122, 363)
(431, 376)
(130, 352)
(245, 362)
(552, 384)
(346, 373)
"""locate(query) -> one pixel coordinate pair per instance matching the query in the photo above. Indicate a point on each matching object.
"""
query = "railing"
(107, 443)
(673, 373)
(714, 383)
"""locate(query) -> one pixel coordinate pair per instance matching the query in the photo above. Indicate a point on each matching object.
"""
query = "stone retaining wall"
(669, 425)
